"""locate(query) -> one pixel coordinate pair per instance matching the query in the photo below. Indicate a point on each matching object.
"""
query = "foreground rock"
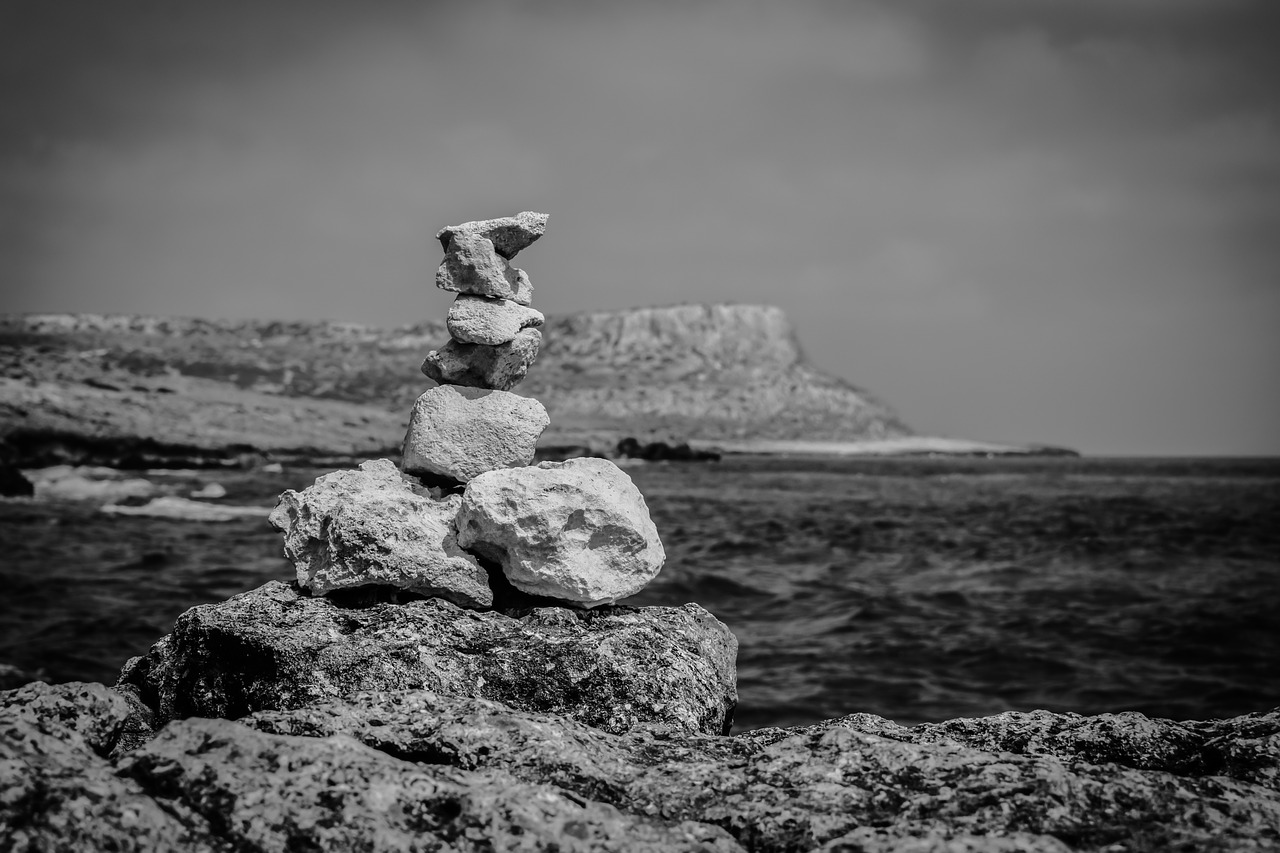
(577, 530)
(374, 526)
(459, 433)
(477, 320)
(391, 769)
(500, 367)
(276, 648)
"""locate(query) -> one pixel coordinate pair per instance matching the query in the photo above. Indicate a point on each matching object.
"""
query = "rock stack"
(468, 513)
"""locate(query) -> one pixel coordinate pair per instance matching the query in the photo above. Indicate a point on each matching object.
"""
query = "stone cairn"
(466, 514)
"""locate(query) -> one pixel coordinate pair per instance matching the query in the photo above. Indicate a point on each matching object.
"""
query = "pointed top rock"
(509, 234)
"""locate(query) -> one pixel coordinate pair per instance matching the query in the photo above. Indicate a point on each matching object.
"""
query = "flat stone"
(460, 433)
(477, 366)
(480, 320)
(472, 265)
(577, 530)
(508, 234)
(373, 526)
(276, 648)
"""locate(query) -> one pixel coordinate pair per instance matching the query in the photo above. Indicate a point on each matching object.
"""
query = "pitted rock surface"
(276, 648)
(472, 265)
(375, 526)
(480, 320)
(577, 530)
(474, 365)
(509, 234)
(459, 433)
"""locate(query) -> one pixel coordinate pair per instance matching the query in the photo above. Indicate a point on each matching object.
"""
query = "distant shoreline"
(903, 446)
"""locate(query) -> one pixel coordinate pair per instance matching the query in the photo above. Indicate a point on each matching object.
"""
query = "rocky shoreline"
(450, 671)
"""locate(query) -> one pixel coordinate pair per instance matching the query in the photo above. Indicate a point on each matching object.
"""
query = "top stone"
(509, 234)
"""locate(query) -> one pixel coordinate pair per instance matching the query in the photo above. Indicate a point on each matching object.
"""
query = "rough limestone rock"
(274, 648)
(275, 792)
(472, 265)
(477, 366)
(838, 787)
(57, 789)
(374, 526)
(509, 234)
(480, 320)
(577, 530)
(459, 433)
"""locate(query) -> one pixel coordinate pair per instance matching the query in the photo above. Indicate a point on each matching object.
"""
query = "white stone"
(472, 265)
(509, 234)
(578, 530)
(480, 320)
(373, 526)
(501, 367)
(460, 433)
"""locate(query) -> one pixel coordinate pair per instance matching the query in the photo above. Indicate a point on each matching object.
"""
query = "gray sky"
(1019, 220)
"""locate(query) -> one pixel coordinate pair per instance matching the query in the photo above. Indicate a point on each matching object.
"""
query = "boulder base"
(499, 367)
(459, 433)
(577, 530)
(373, 526)
(275, 648)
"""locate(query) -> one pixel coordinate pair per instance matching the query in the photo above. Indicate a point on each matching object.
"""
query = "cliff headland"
(139, 391)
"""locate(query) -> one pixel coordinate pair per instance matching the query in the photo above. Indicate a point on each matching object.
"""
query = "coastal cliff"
(120, 389)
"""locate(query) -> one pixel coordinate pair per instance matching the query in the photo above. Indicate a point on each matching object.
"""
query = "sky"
(1051, 221)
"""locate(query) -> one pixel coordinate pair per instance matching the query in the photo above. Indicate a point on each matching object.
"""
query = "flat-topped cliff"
(219, 387)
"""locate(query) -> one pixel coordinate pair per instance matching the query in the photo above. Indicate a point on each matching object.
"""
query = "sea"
(919, 589)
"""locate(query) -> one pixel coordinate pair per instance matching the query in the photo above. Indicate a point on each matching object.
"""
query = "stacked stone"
(471, 423)
(577, 532)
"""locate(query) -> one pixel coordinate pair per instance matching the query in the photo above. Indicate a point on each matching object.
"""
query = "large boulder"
(472, 265)
(577, 530)
(375, 526)
(613, 668)
(479, 320)
(459, 433)
(509, 234)
(500, 367)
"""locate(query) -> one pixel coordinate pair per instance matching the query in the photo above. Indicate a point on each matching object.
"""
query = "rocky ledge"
(418, 769)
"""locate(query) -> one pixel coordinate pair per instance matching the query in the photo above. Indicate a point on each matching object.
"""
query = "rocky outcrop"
(578, 530)
(612, 668)
(383, 769)
(137, 391)
(375, 526)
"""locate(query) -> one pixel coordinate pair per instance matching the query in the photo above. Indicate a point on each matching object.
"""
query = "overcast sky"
(1021, 220)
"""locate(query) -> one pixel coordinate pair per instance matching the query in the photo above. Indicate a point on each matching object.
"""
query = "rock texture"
(275, 648)
(460, 433)
(577, 531)
(397, 768)
(499, 367)
(374, 526)
(477, 320)
(472, 265)
(212, 392)
(509, 234)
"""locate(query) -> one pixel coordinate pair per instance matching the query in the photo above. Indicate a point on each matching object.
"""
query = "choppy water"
(913, 588)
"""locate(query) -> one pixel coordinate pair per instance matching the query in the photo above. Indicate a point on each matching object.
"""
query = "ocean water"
(918, 589)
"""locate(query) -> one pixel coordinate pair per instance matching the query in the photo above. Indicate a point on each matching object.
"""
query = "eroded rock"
(472, 265)
(374, 526)
(475, 365)
(577, 530)
(459, 433)
(480, 320)
(275, 648)
(509, 234)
